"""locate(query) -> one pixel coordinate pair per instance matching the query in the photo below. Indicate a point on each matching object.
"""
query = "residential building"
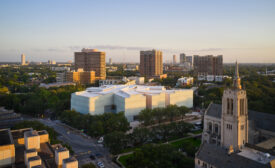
(174, 60)
(80, 76)
(185, 81)
(182, 58)
(151, 63)
(30, 148)
(189, 59)
(61, 68)
(131, 67)
(233, 135)
(91, 60)
(208, 65)
(51, 62)
(110, 61)
(111, 68)
(49, 85)
(128, 98)
(115, 80)
(23, 59)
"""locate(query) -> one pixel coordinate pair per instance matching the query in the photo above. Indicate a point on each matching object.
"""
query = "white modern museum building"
(128, 98)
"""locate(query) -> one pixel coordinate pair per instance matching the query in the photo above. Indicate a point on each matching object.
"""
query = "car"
(92, 157)
(101, 139)
(100, 164)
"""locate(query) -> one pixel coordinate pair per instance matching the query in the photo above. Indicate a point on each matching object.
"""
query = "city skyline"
(55, 30)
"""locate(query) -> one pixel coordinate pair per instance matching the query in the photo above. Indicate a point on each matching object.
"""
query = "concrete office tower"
(151, 63)
(208, 65)
(23, 59)
(189, 59)
(182, 58)
(174, 59)
(110, 61)
(91, 60)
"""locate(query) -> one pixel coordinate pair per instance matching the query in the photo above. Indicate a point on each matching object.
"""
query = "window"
(242, 127)
(210, 126)
(231, 106)
(241, 106)
(228, 106)
(229, 126)
(216, 128)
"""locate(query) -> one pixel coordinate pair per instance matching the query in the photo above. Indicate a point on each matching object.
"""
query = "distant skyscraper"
(182, 58)
(151, 63)
(91, 60)
(110, 61)
(208, 65)
(189, 59)
(23, 59)
(174, 59)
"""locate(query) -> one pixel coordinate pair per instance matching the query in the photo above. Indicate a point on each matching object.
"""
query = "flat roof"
(258, 156)
(6, 138)
(125, 90)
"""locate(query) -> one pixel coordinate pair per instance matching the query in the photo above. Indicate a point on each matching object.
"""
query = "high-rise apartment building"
(182, 58)
(23, 59)
(189, 59)
(151, 63)
(91, 60)
(110, 61)
(174, 59)
(208, 65)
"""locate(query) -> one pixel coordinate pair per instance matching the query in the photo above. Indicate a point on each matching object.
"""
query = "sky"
(242, 30)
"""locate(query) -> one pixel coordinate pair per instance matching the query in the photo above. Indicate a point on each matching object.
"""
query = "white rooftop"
(123, 90)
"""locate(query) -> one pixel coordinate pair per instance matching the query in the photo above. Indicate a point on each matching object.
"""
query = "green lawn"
(189, 141)
(197, 132)
(123, 159)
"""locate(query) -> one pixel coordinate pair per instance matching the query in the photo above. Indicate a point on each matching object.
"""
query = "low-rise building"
(49, 85)
(128, 98)
(185, 81)
(60, 68)
(131, 67)
(80, 76)
(30, 148)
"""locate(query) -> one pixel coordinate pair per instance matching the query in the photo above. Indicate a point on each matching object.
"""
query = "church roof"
(214, 110)
(218, 157)
(259, 119)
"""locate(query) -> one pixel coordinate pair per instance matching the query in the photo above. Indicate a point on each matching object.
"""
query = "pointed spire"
(237, 80)
(236, 70)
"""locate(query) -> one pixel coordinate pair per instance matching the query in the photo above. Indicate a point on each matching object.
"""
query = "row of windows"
(230, 106)
(229, 126)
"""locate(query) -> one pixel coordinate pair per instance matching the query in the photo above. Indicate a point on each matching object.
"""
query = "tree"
(116, 141)
(158, 156)
(172, 111)
(183, 110)
(145, 116)
(140, 136)
(158, 114)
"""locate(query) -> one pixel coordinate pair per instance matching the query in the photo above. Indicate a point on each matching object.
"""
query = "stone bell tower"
(234, 120)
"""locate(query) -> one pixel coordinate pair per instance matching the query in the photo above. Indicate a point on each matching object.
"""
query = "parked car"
(100, 164)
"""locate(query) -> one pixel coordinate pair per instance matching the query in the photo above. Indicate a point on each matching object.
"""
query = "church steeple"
(237, 80)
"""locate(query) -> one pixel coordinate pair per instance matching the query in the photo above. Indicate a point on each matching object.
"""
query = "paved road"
(82, 145)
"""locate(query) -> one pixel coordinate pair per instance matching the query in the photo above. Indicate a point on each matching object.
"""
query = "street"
(83, 146)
